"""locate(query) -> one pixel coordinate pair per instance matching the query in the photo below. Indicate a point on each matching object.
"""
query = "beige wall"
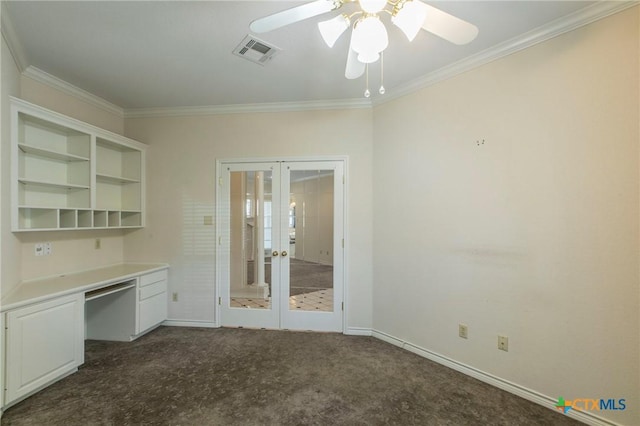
(40, 94)
(11, 251)
(181, 177)
(72, 250)
(533, 234)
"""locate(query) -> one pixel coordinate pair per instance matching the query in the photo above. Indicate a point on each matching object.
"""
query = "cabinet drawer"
(153, 289)
(152, 311)
(153, 277)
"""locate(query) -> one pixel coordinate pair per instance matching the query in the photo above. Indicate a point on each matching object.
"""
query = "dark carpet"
(189, 376)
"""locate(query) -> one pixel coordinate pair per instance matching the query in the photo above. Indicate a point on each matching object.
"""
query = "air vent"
(255, 50)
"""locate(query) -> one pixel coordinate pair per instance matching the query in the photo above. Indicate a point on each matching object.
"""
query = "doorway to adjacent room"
(280, 231)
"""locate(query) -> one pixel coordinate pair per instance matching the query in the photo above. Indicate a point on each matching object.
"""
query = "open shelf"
(70, 186)
(49, 154)
(118, 177)
(113, 196)
(53, 138)
(115, 179)
(45, 194)
(117, 161)
(71, 175)
(36, 169)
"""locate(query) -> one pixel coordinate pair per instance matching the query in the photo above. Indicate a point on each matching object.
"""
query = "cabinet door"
(44, 343)
(152, 311)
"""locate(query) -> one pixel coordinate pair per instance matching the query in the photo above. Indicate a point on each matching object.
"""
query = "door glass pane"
(251, 222)
(311, 240)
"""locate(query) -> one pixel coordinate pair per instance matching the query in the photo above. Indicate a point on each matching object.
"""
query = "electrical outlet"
(47, 249)
(503, 343)
(462, 331)
(174, 297)
(98, 244)
(39, 249)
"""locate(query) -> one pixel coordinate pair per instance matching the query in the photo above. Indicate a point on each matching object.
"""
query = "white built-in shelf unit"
(67, 174)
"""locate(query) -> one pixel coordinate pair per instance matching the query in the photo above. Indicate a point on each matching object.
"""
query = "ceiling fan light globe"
(369, 36)
(332, 29)
(372, 6)
(410, 17)
(367, 58)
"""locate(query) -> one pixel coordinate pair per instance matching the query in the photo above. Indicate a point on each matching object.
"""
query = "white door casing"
(274, 310)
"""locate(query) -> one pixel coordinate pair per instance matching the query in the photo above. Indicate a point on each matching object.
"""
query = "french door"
(280, 238)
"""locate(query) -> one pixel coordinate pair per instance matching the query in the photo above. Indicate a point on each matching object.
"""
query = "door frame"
(221, 255)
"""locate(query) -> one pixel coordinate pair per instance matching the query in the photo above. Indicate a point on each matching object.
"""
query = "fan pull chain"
(382, 89)
(367, 93)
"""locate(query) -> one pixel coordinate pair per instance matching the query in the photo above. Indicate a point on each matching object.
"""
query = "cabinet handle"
(284, 254)
(275, 253)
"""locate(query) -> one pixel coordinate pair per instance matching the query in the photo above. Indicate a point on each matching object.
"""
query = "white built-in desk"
(46, 321)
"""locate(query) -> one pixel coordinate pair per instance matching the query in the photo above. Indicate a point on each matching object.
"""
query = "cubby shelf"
(68, 175)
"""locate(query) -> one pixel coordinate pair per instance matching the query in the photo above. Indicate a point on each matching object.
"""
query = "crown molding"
(68, 88)
(12, 40)
(553, 29)
(248, 108)
(578, 19)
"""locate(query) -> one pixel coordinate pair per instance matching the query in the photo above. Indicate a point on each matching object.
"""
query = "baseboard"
(190, 323)
(387, 338)
(514, 388)
(357, 331)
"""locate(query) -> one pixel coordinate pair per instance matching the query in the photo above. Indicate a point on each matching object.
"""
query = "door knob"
(274, 254)
(284, 253)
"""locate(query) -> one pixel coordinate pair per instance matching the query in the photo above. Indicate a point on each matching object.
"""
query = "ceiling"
(168, 54)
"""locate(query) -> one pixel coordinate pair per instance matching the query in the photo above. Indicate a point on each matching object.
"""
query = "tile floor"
(321, 300)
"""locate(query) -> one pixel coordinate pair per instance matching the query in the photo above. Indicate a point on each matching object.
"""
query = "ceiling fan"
(369, 36)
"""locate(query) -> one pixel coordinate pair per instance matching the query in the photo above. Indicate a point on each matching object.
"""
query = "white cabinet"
(67, 174)
(46, 321)
(152, 300)
(44, 342)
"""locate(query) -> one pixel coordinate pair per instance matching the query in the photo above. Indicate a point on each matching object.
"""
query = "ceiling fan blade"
(448, 26)
(295, 14)
(355, 68)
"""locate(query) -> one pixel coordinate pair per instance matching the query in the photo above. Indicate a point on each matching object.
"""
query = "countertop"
(28, 292)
